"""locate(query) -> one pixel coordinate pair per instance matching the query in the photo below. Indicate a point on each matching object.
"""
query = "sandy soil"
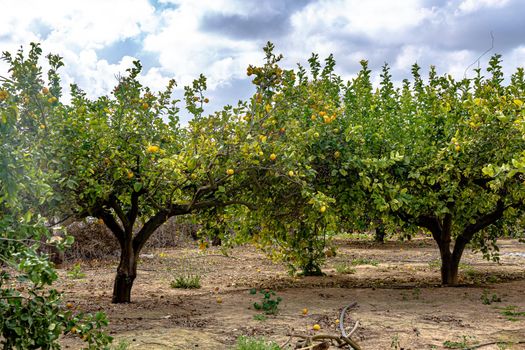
(400, 304)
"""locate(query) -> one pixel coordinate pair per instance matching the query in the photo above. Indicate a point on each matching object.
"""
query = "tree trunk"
(380, 234)
(449, 267)
(126, 273)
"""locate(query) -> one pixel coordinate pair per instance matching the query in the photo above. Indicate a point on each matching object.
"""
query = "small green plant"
(487, 299)
(355, 236)
(269, 303)
(344, 268)
(122, 345)
(416, 293)
(187, 281)
(394, 343)
(260, 317)
(493, 279)
(512, 313)
(250, 343)
(434, 264)
(365, 261)
(76, 272)
(464, 343)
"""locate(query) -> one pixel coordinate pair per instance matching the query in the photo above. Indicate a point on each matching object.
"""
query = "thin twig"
(495, 342)
(483, 54)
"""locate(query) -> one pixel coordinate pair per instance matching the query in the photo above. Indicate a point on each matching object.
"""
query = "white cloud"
(177, 44)
(468, 6)
(366, 18)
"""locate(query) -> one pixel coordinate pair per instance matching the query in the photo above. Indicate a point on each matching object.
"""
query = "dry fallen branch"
(324, 341)
(495, 343)
(345, 336)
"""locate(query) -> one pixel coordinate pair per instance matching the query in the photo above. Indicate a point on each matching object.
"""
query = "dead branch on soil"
(324, 341)
(495, 343)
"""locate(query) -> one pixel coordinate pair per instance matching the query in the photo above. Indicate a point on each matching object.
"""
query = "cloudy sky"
(182, 38)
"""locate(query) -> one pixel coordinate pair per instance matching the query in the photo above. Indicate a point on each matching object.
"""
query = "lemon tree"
(32, 314)
(292, 120)
(440, 155)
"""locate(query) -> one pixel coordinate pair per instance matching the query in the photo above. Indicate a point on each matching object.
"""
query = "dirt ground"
(400, 304)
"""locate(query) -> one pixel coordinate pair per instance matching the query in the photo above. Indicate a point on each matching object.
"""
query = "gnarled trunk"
(449, 266)
(126, 273)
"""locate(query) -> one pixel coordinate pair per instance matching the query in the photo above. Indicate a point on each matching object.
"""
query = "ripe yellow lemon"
(291, 173)
(152, 149)
(273, 156)
(305, 311)
(316, 327)
(230, 171)
(322, 209)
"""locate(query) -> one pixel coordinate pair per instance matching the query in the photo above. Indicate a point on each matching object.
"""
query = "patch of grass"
(512, 313)
(493, 279)
(394, 342)
(355, 236)
(187, 282)
(260, 317)
(76, 272)
(434, 264)
(487, 299)
(344, 268)
(364, 261)
(250, 343)
(121, 345)
(464, 343)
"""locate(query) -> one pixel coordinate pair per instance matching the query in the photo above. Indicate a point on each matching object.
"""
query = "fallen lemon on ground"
(219, 300)
(316, 327)
(305, 311)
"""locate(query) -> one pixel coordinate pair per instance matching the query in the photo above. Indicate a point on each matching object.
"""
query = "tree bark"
(380, 234)
(449, 267)
(126, 273)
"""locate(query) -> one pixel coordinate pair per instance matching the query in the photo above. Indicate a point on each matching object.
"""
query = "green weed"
(76, 272)
(344, 268)
(269, 303)
(187, 282)
(250, 343)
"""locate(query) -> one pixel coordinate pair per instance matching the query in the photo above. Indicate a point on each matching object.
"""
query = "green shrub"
(344, 268)
(249, 343)
(187, 282)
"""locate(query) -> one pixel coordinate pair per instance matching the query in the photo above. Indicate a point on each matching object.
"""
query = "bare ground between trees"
(399, 301)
